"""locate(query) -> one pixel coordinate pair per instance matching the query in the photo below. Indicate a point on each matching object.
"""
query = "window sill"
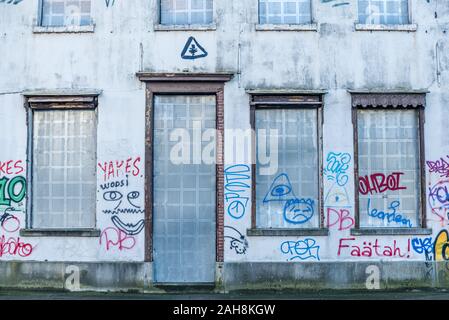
(185, 27)
(60, 232)
(386, 27)
(287, 232)
(287, 27)
(65, 29)
(390, 231)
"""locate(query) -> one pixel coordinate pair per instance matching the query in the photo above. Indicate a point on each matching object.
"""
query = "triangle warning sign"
(280, 190)
(193, 50)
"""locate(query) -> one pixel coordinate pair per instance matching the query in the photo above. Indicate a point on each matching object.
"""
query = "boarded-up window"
(58, 13)
(64, 168)
(288, 196)
(389, 167)
(383, 11)
(181, 12)
(285, 12)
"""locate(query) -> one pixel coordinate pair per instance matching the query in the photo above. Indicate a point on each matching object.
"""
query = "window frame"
(407, 27)
(55, 101)
(391, 101)
(311, 26)
(311, 100)
(158, 26)
(39, 28)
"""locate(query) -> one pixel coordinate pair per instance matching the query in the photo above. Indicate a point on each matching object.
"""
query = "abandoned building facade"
(232, 144)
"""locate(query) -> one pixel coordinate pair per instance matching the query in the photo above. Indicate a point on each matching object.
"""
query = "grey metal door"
(184, 189)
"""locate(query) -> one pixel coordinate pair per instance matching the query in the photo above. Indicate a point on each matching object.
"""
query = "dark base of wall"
(231, 277)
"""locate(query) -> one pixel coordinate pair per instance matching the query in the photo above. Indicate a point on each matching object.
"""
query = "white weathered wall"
(334, 58)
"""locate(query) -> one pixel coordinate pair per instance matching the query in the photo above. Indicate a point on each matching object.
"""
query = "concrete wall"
(334, 58)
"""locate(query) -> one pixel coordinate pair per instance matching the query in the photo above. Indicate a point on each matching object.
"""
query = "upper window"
(186, 12)
(63, 165)
(61, 13)
(383, 12)
(287, 186)
(389, 162)
(285, 12)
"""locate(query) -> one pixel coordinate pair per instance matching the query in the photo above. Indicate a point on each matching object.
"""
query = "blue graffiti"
(280, 190)
(193, 50)
(236, 183)
(337, 166)
(301, 249)
(109, 3)
(421, 246)
(10, 1)
(298, 211)
(389, 216)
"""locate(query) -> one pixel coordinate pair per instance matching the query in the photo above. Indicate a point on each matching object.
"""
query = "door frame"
(189, 84)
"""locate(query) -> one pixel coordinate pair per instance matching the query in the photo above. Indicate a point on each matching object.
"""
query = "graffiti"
(421, 246)
(116, 238)
(298, 211)
(295, 210)
(9, 222)
(336, 4)
(193, 50)
(389, 217)
(118, 168)
(301, 249)
(441, 246)
(439, 200)
(11, 1)
(337, 166)
(15, 189)
(437, 250)
(117, 196)
(370, 249)
(11, 167)
(237, 181)
(379, 183)
(128, 228)
(339, 217)
(439, 166)
(238, 241)
(14, 247)
(109, 3)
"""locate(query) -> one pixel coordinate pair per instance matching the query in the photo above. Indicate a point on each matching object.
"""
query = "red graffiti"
(340, 218)
(379, 183)
(118, 168)
(11, 167)
(117, 238)
(372, 249)
(14, 246)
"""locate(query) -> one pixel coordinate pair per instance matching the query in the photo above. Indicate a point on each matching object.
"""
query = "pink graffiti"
(439, 166)
(340, 218)
(14, 246)
(117, 238)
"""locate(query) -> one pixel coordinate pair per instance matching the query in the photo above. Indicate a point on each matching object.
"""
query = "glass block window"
(389, 170)
(58, 13)
(181, 12)
(288, 198)
(64, 169)
(285, 12)
(383, 11)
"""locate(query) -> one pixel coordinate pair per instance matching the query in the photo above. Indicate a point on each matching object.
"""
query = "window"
(63, 188)
(383, 12)
(288, 185)
(60, 13)
(186, 12)
(389, 160)
(285, 12)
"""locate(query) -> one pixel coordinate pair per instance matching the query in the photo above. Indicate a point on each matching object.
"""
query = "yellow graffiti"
(441, 246)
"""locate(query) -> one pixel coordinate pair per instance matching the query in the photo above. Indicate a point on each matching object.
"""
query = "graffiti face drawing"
(298, 211)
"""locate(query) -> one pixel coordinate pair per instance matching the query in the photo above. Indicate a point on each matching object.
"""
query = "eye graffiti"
(114, 196)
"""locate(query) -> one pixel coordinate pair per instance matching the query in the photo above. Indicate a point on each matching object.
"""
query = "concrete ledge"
(287, 27)
(186, 27)
(60, 233)
(386, 27)
(390, 231)
(287, 232)
(333, 275)
(65, 29)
